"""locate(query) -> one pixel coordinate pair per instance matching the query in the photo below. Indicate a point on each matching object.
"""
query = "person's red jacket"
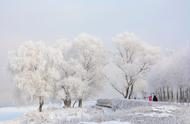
(150, 98)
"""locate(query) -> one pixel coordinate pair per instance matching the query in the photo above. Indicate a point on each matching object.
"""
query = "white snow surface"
(156, 113)
(108, 122)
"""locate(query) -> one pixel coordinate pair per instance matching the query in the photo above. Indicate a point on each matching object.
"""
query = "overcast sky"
(165, 23)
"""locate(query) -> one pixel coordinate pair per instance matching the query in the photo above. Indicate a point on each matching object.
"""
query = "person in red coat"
(150, 100)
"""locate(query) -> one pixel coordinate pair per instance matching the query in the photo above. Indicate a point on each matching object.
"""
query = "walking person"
(155, 99)
(150, 100)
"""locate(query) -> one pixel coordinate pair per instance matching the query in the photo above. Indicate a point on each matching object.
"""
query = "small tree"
(29, 68)
(71, 86)
(134, 59)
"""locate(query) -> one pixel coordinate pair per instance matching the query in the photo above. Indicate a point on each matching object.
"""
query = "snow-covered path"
(90, 114)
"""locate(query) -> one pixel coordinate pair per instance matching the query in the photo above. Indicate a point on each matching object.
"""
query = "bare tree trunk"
(131, 91)
(168, 93)
(161, 98)
(156, 91)
(80, 103)
(180, 94)
(164, 94)
(186, 95)
(172, 95)
(41, 103)
(177, 95)
(74, 103)
(126, 93)
(67, 103)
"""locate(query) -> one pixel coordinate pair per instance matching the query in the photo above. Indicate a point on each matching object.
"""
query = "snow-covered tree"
(70, 85)
(134, 58)
(81, 71)
(91, 55)
(29, 66)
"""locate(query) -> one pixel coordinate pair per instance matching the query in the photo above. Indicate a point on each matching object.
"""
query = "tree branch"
(117, 90)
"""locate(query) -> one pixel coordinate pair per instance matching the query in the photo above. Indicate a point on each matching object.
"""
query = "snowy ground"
(156, 113)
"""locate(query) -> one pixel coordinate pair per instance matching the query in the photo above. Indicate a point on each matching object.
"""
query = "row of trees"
(73, 70)
(67, 71)
(169, 79)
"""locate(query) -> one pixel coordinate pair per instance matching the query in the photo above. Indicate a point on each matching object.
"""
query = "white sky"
(165, 23)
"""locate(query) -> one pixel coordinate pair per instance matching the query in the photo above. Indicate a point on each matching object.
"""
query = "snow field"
(91, 114)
